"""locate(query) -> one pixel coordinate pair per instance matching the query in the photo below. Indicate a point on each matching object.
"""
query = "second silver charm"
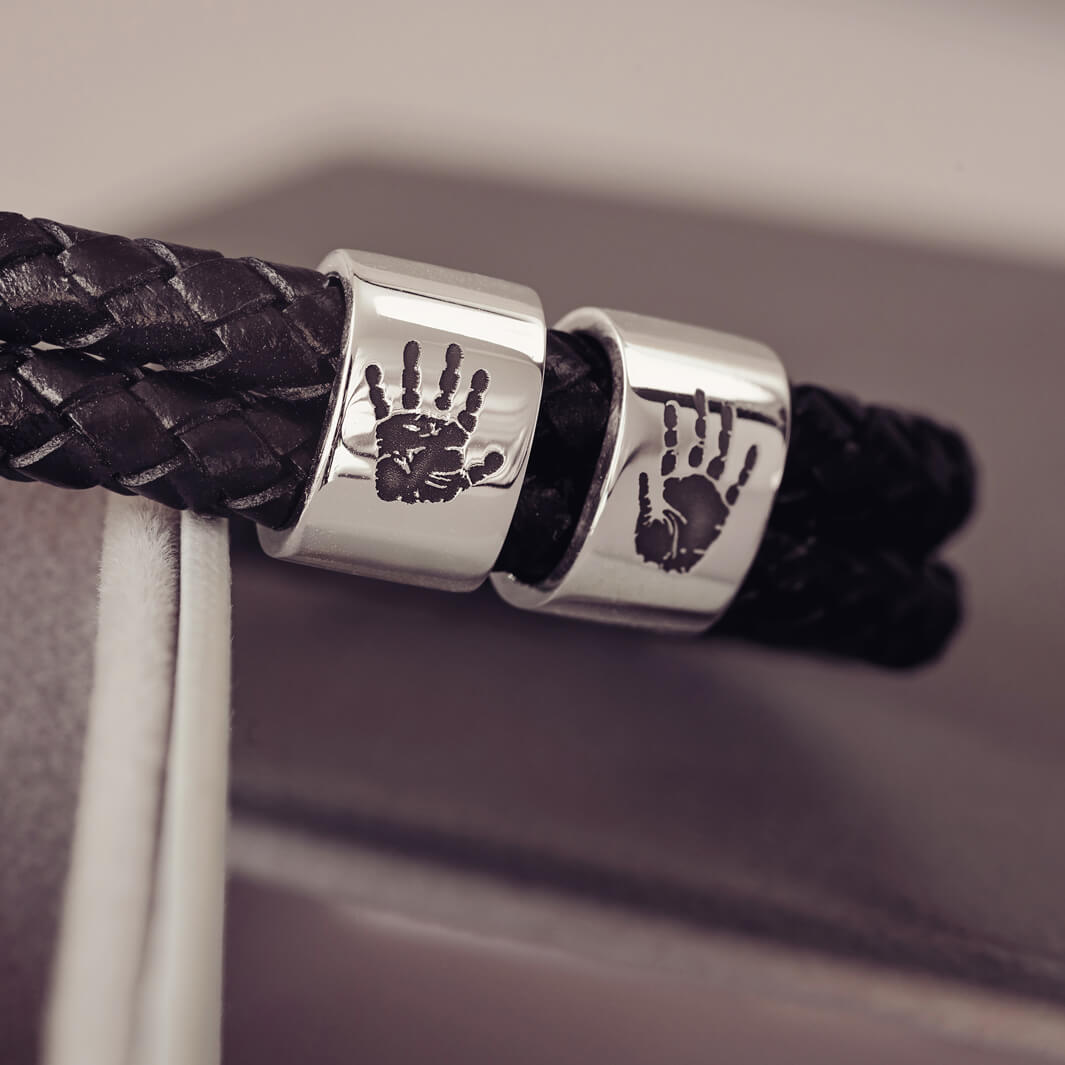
(693, 456)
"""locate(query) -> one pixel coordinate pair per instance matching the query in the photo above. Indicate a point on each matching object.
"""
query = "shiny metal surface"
(692, 459)
(429, 427)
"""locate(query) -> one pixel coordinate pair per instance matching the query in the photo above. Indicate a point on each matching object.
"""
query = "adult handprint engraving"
(421, 457)
(674, 528)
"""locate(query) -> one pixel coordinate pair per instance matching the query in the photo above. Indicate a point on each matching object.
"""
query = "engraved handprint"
(421, 457)
(676, 526)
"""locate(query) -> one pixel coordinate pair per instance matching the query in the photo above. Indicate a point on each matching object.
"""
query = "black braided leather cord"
(69, 419)
(813, 595)
(249, 350)
(871, 475)
(857, 473)
(241, 323)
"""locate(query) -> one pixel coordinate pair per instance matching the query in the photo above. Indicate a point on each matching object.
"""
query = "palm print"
(674, 530)
(421, 456)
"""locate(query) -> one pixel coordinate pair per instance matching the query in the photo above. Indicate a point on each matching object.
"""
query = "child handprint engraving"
(676, 526)
(421, 457)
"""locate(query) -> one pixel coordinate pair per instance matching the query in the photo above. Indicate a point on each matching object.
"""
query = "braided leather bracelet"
(205, 382)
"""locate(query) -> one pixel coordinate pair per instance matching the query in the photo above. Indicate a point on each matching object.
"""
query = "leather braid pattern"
(241, 323)
(877, 605)
(871, 475)
(69, 419)
(202, 381)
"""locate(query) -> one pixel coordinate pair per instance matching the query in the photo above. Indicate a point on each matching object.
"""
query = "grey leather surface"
(915, 820)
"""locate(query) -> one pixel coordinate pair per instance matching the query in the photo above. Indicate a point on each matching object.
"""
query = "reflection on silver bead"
(429, 429)
(693, 456)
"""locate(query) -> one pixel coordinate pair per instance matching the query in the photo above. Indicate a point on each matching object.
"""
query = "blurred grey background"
(874, 189)
(934, 118)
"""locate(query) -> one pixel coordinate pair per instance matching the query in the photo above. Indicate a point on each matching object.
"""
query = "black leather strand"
(67, 418)
(201, 382)
(861, 474)
(876, 605)
(240, 323)
(872, 475)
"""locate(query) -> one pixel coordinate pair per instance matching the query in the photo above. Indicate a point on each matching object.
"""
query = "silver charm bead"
(693, 456)
(429, 428)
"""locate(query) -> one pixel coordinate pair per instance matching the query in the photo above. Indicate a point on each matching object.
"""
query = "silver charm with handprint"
(693, 454)
(422, 454)
(687, 512)
(429, 426)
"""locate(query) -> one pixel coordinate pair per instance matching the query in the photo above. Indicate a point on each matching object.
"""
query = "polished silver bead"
(693, 456)
(429, 428)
